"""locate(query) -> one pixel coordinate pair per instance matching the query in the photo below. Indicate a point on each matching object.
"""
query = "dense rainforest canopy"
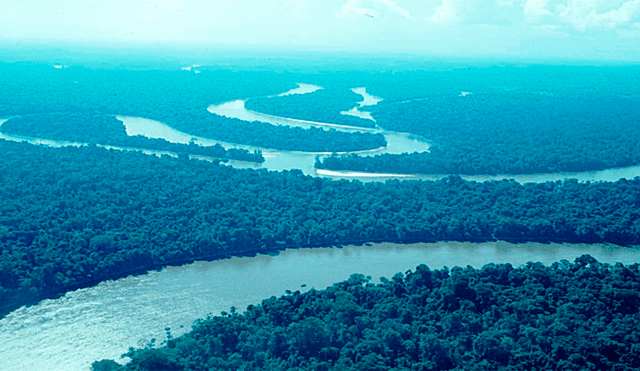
(509, 133)
(516, 120)
(72, 217)
(94, 127)
(580, 316)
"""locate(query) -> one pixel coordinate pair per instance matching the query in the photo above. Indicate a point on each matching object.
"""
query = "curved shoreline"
(321, 124)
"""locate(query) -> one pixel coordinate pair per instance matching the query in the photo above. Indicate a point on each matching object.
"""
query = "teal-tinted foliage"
(104, 129)
(176, 98)
(510, 120)
(569, 316)
(323, 105)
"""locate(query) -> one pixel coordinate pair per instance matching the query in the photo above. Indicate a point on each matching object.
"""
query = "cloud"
(583, 15)
(445, 13)
(486, 12)
(372, 8)
(394, 8)
(536, 9)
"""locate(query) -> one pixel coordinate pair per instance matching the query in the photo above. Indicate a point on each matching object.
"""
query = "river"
(105, 320)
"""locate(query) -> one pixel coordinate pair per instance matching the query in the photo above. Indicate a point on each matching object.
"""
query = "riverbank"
(104, 320)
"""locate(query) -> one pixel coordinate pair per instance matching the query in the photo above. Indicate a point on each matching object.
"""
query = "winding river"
(278, 160)
(105, 320)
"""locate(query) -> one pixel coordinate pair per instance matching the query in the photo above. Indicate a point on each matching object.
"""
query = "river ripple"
(105, 320)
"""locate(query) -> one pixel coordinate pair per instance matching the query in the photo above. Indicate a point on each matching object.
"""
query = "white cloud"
(487, 12)
(354, 7)
(394, 8)
(536, 8)
(372, 8)
(445, 13)
(581, 15)
(590, 14)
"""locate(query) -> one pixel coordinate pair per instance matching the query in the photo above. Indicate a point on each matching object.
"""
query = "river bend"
(105, 320)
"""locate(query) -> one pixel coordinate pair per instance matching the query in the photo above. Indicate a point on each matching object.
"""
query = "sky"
(554, 29)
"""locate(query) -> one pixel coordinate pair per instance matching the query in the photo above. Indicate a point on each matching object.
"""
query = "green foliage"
(72, 217)
(106, 365)
(409, 323)
(517, 120)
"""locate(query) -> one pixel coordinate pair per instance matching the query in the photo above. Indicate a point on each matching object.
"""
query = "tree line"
(508, 133)
(313, 106)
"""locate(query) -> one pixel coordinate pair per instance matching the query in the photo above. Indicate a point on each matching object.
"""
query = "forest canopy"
(72, 217)
(313, 107)
(497, 120)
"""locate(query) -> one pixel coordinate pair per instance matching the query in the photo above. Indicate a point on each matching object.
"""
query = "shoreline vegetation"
(567, 316)
(75, 216)
(99, 128)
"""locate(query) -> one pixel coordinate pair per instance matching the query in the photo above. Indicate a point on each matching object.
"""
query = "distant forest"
(176, 98)
(510, 120)
(516, 120)
(72, 217)
(569, 316)
(508, 133)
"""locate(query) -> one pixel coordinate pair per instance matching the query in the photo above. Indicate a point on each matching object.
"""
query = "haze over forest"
(571, 30)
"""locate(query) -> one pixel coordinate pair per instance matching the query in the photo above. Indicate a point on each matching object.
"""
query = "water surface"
(367, 100)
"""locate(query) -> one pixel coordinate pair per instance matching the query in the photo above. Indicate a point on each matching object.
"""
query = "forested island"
(72, 217)
(508, 133)
(95, 127)
(568, 316)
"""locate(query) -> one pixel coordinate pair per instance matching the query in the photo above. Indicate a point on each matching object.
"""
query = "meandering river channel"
(105, 320)
(286, 160)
